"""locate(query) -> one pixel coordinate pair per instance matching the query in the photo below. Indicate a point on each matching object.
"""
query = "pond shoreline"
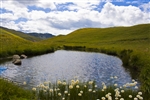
(86, 49)
(141, 75)
(88, 65)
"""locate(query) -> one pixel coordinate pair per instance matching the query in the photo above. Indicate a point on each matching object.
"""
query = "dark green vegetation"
(131, 44)
(9, 91)
(41, 35)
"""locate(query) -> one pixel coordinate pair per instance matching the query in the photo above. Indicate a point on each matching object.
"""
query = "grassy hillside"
(21, 34)
(11, 43)
(99, 37)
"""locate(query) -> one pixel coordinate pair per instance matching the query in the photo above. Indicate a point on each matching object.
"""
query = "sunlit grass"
(11, 44)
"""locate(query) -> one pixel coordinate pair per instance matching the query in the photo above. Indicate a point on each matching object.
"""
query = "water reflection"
(67, 65)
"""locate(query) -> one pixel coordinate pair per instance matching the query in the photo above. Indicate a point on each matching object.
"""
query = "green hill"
(21, 34)
(108, 37)
(13, 42)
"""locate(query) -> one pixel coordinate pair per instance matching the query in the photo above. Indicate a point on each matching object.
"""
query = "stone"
(16, 57)
(17, 62)
(23, 56)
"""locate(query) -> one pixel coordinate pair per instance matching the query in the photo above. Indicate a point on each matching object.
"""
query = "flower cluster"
(76, 90)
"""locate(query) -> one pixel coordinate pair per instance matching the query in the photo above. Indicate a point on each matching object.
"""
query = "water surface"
(67, 65)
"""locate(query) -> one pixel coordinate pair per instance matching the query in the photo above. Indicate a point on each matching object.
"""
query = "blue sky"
(64, 16)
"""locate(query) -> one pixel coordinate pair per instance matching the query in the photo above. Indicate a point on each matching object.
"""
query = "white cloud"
(36, 15)
(18, 11)
(145, 7)
(8, 16)
(11, 25)
(122, 15)
(41, 26)
(46, 4)
(79, 15)
(33, 26)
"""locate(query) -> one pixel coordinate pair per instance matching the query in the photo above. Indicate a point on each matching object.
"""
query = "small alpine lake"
(67, 65)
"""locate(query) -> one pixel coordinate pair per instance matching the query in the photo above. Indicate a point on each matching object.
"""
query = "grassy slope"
(9, 91)
(118, 40)
(21, 34)
(104, 37)
(12, 43)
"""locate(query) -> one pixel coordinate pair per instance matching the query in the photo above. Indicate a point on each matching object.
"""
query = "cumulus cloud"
(10, 24)
(122, 15)
(46, 4)
(76, 15)
(145, 7)
(17, 11)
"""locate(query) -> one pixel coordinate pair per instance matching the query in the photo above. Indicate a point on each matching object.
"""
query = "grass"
(11, 44)
(10, 91)
(72, 90)
(131, 44)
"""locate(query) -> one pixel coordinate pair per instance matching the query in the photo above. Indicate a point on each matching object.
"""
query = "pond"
(67, 65)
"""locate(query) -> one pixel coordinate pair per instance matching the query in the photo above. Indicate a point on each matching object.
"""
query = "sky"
(64, 16)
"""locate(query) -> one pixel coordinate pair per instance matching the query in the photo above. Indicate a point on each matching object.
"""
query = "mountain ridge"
(29, 36)
(41, 35)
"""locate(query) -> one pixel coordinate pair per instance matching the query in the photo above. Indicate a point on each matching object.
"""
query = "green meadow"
(131, 44)
(13, 42)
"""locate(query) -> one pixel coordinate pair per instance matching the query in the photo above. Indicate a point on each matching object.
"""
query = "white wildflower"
(33, 89)
(50, 90)
(130, 96)
(140, 93)
(115, 84)
(59, 94)
(24, 83)
(79, 94)
(70, 87)
(90, 90)
(65, 92)
(77, 86)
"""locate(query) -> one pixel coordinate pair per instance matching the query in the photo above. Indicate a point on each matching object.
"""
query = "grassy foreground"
(76, 90)
(131, 44)
(72, 90)
(10, 91)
